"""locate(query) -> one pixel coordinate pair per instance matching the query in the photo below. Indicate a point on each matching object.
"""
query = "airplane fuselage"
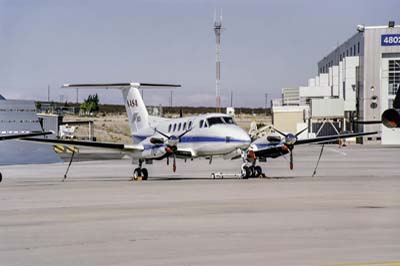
(209, 135)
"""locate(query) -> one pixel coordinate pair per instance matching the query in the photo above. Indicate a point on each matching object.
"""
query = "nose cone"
(243, 139)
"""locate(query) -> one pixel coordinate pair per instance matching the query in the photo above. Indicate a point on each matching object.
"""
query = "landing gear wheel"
(145, 174)
(212, 175)
(136, 173)
(245, 172)
(1, 177)
(257, 171)
(253, 172)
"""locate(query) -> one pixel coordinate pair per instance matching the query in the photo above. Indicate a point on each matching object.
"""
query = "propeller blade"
(280, 132)
(162, 134)
(184, 133)
(174, 164)
(299, 133)
(291, 159)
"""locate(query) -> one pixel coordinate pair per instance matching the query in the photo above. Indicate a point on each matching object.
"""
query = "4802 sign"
(390, 39)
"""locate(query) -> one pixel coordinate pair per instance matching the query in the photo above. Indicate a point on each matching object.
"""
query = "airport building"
(356, 81)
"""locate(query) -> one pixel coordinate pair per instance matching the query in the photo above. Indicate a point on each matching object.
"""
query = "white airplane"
(157, 138)
(22, 135)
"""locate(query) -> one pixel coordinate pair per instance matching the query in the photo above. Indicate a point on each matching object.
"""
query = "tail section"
(138, 116)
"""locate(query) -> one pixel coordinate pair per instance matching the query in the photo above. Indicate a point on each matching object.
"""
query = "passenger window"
(184, 126)
(201, 123)
(174, 127)
(169, 128)
(179, 127)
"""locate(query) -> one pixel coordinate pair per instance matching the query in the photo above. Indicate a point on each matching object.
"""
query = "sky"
(266, 46)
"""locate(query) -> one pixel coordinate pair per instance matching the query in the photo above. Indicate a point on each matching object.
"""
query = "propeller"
(290, 140)
(171, 143)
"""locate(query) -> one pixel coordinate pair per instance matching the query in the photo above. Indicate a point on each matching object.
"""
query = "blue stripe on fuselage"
(193, 139)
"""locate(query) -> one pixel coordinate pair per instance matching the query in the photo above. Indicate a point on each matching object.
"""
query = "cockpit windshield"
(214, 121)
(220, 120)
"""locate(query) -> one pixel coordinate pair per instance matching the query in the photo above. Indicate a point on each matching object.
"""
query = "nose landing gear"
(140, 173)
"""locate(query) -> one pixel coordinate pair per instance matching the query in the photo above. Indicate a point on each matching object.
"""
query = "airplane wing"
(104, 145)
(332, 137)
(18, 136)
(274, 150)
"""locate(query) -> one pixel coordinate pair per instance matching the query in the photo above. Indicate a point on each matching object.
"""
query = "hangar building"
(357, 81)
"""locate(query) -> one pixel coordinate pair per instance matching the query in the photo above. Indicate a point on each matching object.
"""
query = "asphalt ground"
(348, 214)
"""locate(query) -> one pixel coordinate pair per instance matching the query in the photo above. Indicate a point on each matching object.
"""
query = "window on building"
(347, 52)
(354, 50)
(390, 103)
(344, 90)
(351, 51)
(358, 48)
(394, 76)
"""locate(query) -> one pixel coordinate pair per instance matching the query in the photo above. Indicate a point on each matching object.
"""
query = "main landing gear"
(140, 173)
(250, 171)
(249, 167)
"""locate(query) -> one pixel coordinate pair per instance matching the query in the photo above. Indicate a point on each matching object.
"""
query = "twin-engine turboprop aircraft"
(158, 138)
(207, 135)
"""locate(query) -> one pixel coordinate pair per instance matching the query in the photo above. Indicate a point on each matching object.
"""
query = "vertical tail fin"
(138, 116)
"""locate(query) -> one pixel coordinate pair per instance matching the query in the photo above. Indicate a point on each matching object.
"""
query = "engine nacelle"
(391, 118)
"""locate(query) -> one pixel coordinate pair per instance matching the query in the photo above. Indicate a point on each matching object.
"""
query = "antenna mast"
(218, 30)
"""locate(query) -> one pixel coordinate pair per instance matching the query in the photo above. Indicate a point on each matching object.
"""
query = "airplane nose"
(245, 140)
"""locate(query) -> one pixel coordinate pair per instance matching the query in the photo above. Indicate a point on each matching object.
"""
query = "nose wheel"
(1, 177)
(140, 174)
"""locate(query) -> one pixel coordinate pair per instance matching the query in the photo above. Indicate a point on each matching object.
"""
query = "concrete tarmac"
(349, 214)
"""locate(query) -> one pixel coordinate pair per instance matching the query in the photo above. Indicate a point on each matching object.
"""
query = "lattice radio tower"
(218, 31)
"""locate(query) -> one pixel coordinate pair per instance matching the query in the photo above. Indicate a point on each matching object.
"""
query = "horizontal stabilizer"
(119, 85)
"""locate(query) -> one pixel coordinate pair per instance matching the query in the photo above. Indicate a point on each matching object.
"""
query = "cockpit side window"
(215, 120)
(229, 120)
(169, 128)
(174, 127)
(201, 123)
(184, 126)
(179, 127)
(190, 125)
